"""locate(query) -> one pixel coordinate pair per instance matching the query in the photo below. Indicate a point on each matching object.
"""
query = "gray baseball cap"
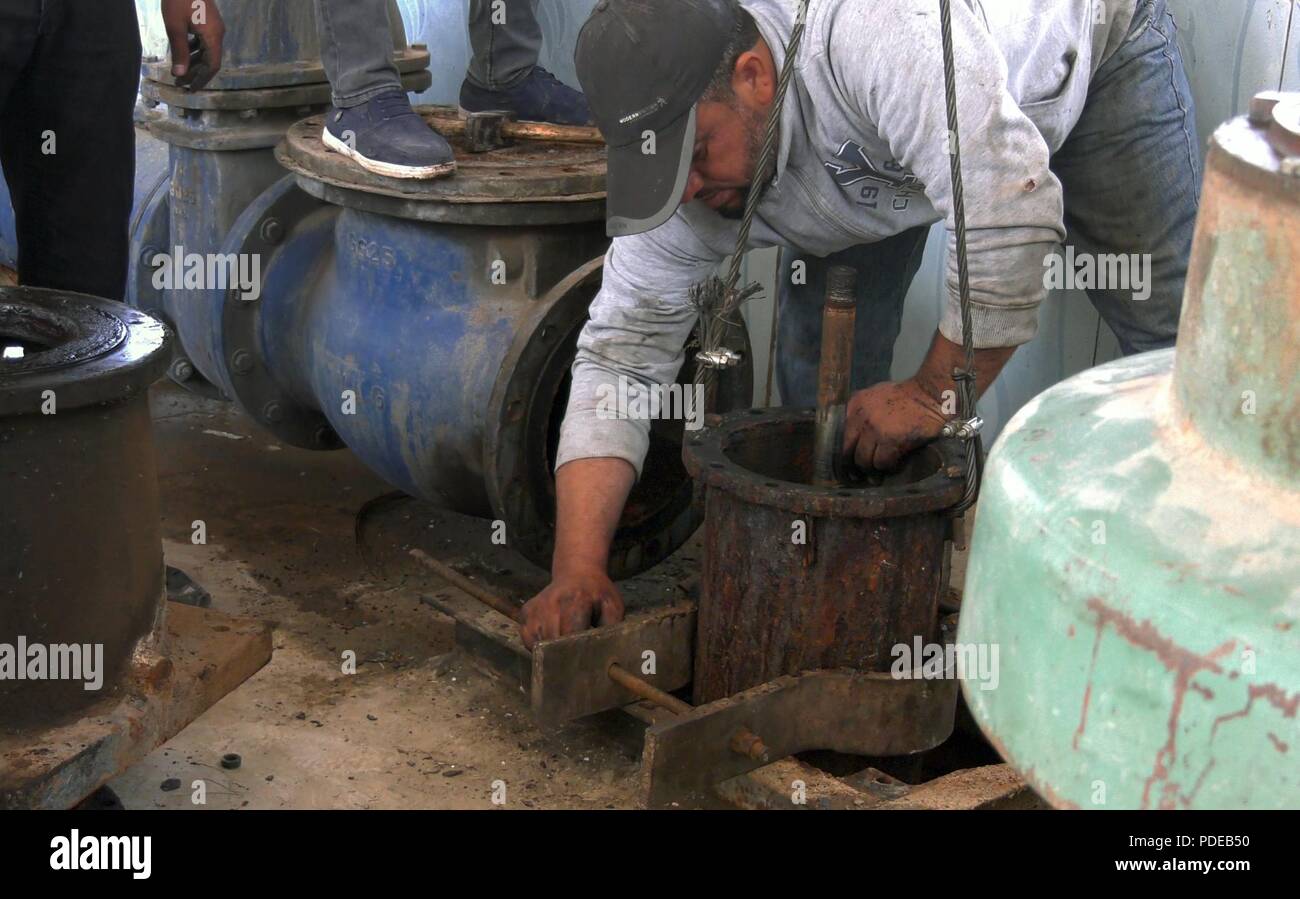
(643, 65)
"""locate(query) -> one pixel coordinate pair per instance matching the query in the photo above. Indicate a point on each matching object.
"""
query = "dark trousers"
(69, 73)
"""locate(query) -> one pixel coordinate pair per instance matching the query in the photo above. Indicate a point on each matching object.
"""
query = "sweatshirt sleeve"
(886, 57)
(638, 325)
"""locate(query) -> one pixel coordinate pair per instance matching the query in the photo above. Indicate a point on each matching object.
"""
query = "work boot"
(539, 97)
(385, 136)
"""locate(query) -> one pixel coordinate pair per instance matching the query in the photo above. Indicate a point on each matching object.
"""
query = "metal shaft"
(833, 377)
(743, 741)
(482, 594)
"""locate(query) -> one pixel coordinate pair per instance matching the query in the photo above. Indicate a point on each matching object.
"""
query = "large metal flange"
(81, 350)
(930, 479)
(262, 229)
(529, 182)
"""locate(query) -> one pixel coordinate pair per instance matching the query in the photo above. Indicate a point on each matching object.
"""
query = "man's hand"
(201, 18)
(887, 421)
(571, 602)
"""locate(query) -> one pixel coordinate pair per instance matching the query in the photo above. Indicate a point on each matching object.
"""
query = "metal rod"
(835, 373)
(482, 594)
(743, 741)
(647, 691)
(450, 126)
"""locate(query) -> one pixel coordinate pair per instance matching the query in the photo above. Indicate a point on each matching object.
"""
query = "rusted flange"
(736, 455)
(85, 349)
(527, 182)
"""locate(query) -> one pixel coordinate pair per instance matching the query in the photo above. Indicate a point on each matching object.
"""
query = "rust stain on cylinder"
(799, 577)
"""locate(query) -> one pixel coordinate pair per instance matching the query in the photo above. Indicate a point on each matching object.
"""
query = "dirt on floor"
(419, 724)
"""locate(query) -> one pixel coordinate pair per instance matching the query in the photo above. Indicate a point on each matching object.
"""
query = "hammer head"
(483, 129)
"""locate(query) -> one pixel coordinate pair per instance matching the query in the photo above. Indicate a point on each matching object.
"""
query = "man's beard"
(755, 126)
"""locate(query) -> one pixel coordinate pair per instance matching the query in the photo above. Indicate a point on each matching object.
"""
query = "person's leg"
(67, 140)
(356, 48)
(372, 121)
(885, 271)
(1131, 172)
(503, 70)
(505, 39)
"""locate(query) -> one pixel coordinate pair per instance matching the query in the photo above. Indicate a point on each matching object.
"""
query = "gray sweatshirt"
(863, 156)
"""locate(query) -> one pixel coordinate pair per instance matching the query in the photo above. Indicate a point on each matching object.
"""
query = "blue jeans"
(357, 46)
(1131, 174)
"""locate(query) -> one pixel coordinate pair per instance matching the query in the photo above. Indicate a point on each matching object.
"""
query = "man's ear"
(754, 79)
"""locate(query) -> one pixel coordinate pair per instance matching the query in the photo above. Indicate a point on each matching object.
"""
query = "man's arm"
(590, 495)
(1014, 204)
(638, 325)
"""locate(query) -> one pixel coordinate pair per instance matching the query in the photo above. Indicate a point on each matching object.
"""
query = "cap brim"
(644, 189)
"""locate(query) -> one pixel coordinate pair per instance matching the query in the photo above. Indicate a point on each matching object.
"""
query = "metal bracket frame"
(866, 713)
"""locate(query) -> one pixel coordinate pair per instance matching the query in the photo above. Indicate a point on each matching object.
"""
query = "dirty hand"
(887, 421)
(571, 602)
(201, 18)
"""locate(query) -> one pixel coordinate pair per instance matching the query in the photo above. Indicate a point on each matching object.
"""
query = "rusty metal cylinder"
(799, 577)
(834, 373)
(81, 567)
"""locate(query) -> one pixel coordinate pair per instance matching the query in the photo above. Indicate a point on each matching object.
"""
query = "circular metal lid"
(79, 348)
(555, 175)
(928, 480)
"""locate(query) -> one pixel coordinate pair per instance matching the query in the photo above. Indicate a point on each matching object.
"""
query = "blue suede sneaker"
(385, 136)
(539, 97)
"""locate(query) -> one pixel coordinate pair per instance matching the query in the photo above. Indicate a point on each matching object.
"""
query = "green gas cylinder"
(1136, 551)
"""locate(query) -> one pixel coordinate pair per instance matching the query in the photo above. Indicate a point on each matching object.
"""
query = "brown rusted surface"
(209, 655)
(447, 122)
(80, 545)
(1243, 269)
(550, 171)
(986, 787)
(846, 711)
(798, 577)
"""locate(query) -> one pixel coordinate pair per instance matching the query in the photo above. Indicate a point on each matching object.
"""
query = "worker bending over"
(1076, 125)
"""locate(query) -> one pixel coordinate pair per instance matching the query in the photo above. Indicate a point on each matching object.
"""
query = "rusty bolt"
(272, 412)
(182, 370)
(1261, 106)
(242, 362)
(272, 230)
(747, 743)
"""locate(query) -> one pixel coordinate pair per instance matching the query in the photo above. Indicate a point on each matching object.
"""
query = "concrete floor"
(418, 725)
